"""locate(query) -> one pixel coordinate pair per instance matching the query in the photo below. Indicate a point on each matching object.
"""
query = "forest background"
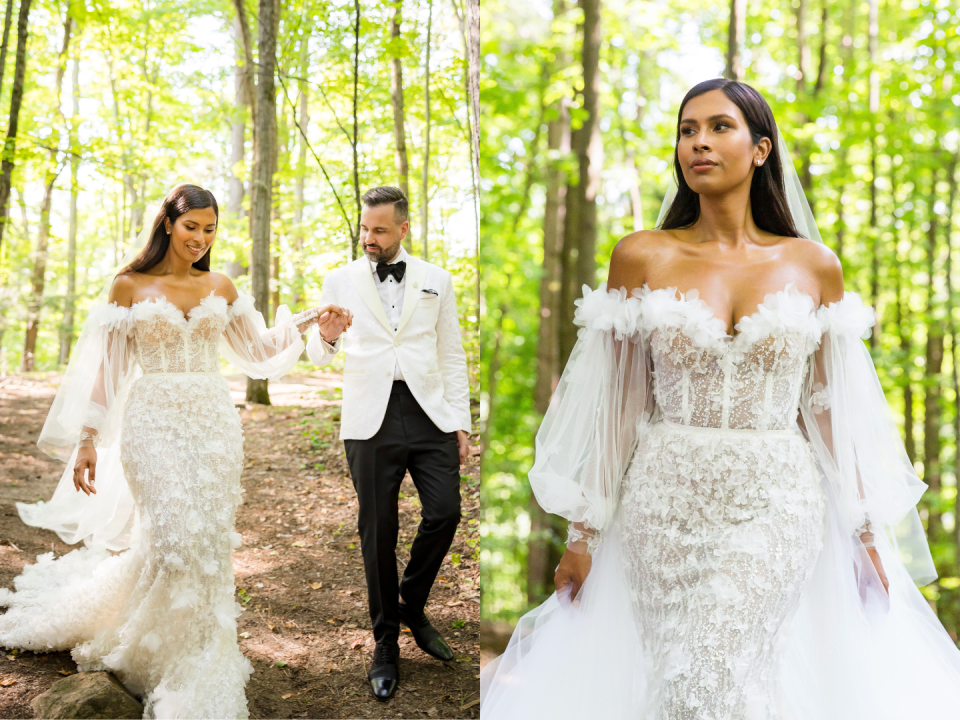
(106, 105)
(579, 101)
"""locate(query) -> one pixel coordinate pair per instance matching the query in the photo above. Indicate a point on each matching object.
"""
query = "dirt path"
(299, 572)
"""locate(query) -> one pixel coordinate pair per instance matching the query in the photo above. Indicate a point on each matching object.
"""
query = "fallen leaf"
(65, 672)
(298, 543)
(466, 658)
(245, 635)
(406, 630)
(11, 657)
(454, 603)
(315, 586)
(7, 682)
(357, 644)
(290, 695)
(309, 507)
(432, 712)
(271, 626)
(281, 663)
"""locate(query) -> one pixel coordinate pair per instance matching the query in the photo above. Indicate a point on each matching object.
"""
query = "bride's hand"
(572, 570)
(86, 460)
(875, 558)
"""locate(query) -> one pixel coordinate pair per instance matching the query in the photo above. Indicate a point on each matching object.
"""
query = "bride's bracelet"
(865, 533)
(89, 439)
(305, 317)
(578, 537)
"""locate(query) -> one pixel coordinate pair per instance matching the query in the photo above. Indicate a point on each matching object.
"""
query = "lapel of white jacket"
(362, 276)
(416, 275)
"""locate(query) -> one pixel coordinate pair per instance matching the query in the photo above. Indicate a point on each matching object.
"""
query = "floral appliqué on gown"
(162, 615)
(727, 483)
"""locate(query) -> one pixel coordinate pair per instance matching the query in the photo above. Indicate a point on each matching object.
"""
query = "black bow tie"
(397, 270)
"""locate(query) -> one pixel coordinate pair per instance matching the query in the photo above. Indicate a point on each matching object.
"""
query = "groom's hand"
(462, 445)
(333, 321)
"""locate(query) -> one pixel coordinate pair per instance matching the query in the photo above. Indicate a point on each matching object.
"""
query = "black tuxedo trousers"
(407, 440)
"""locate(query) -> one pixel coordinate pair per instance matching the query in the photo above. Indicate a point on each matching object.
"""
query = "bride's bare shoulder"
(123, 288)
(634, 254)
(823, 264)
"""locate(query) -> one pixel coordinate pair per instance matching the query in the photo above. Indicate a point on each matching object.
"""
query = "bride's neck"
(727, 218)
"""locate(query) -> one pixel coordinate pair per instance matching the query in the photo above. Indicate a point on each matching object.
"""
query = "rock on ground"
(87, 695)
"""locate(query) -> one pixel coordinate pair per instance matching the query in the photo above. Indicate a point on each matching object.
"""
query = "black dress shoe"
(384, 674)
(425, 634)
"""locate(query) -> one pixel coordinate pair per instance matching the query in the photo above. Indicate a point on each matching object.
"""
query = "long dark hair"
(181, 199)
(768, 198)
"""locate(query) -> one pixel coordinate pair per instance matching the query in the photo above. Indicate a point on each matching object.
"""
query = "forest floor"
(299, 572)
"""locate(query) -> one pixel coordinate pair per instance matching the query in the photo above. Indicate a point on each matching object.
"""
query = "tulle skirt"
(161, 615)
(727, 591)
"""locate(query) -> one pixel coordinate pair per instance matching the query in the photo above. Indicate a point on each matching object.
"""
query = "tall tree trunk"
(932, 370)
(580, 227)
(261, 191)
(238, 128)
(298, 200)
(736, 32)
(952, 331)
(540, 545)
(7, 22)
(874, 238)
(425, 179)
(399, 122)
(249, 68)
(69, 303)
(906, 353)
(355, 240)
(16, 99)
(35, 302)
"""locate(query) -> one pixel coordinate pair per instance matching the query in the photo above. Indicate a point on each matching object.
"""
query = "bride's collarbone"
(183, 296)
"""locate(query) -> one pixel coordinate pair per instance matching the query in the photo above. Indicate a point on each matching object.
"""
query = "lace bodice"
(166, 340)
(706, 378)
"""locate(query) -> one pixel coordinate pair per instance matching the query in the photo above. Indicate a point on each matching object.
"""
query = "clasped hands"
(331, 320)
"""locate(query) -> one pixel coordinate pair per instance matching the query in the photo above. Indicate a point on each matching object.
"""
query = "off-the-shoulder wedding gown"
(161, 615)
(730, 582)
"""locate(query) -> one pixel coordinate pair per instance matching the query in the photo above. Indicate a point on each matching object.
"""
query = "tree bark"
(736, 32)
(7, 22)
(355, 240)
(952, 331)
(16, 100)
(298, 199)
(399, 122)
(261, 191)
(250, 69)
(238, 128)
(580, 230)
(69, 303)
(906, 354)
(932, 370)
(35, 302)
(425, 177)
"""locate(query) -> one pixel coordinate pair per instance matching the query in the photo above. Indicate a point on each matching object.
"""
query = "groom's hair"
(385, 195)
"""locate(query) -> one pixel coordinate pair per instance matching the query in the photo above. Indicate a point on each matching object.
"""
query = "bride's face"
(715, 149)
(192, 234)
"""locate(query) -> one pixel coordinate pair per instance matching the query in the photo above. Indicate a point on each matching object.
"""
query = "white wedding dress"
(729, 581)
(161, 615)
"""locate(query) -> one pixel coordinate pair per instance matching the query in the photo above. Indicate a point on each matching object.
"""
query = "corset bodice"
(706, 378)
(167, 341)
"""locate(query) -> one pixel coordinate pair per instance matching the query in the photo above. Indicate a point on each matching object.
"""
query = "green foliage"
(651, 54)
(157, 102)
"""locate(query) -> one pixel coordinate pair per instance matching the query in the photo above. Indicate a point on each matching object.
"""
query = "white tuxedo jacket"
(426, 344)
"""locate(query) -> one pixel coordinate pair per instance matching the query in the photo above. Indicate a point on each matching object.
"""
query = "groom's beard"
(377, 254)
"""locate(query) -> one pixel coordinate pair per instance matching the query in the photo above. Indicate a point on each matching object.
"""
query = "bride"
(744, 542)
(147, 426)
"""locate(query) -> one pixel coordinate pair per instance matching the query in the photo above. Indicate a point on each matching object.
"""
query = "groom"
(406, 406)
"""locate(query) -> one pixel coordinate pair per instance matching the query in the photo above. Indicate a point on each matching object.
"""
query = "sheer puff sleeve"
(91, 394)
(591, 427)
(256, 350)
(846, 418)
